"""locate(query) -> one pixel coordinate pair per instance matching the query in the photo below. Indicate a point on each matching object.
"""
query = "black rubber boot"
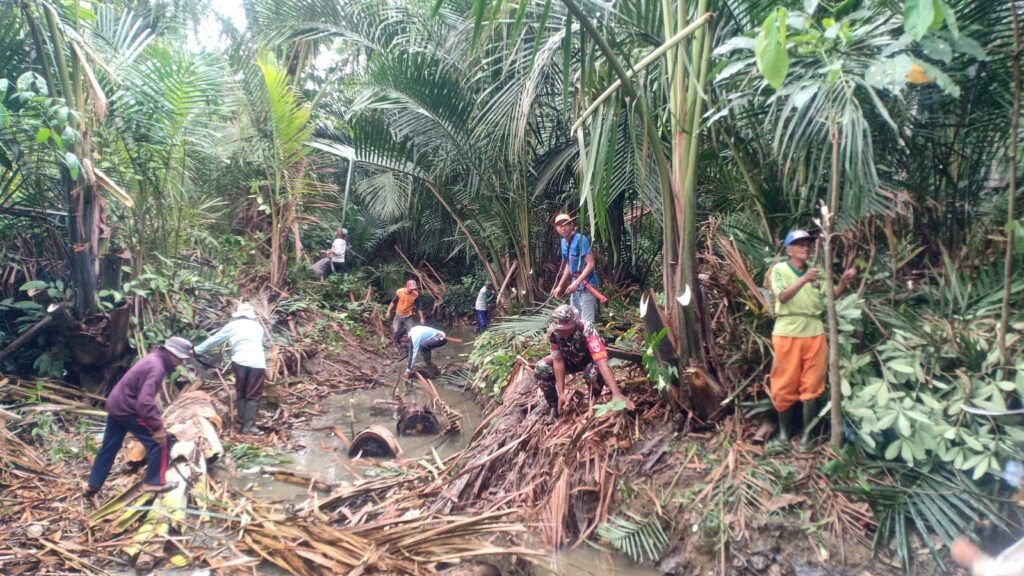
(239, 414)
(251, 409)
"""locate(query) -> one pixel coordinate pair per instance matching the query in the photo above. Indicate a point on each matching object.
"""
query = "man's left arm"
(419, 309)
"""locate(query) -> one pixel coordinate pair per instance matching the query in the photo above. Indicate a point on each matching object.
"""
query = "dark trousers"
(544, 371)
(248, 382)
(337, 268)
(113, 439)
(425, 351)
(401, 325)
(481, 320)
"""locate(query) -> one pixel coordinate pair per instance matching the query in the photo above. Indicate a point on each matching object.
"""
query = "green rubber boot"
(810, 412)
(785, 425)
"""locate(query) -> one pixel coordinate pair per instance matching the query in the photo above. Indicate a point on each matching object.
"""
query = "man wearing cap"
(578, 268)
(575, 347)
(404, 302)
(424, 339)
(131, 407)
(245, 334)
(798, 371)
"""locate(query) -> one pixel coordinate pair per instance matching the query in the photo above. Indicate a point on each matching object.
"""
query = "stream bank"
(507, 492)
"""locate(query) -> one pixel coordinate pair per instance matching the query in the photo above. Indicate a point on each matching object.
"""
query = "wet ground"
(324, 456)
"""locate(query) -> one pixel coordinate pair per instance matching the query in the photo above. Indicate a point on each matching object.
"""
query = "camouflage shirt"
(581, 347)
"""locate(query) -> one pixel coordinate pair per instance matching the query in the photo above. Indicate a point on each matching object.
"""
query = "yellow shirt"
(800, 317)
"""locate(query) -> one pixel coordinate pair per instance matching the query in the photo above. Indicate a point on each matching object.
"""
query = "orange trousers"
(798, 372)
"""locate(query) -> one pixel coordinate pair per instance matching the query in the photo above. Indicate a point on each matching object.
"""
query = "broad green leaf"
(970, 46)
(4, 118)
(33, 285)
(907, 453)
(770, 49)
(918, 16)
(72, 163)
(889, 73)
(901, 367)
(810, 6)
(980, 469)
(68, 136)
(893, 450)
(937, 48)
(903, 423)
(42, 135)
(942, 80)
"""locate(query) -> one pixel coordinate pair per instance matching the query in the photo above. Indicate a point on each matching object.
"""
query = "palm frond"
(642, 539)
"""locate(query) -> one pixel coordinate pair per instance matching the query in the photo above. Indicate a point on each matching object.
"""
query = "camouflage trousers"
(545, 374)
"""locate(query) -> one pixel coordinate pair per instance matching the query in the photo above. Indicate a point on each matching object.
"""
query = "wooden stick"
(26, 337)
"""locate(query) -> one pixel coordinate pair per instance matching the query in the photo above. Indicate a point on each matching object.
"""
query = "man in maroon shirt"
(131, 407)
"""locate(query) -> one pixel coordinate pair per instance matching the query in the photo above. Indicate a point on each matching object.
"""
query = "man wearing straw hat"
(131, 407)
(248, 361)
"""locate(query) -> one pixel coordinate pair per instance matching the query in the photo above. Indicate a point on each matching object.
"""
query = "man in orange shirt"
(404, 302)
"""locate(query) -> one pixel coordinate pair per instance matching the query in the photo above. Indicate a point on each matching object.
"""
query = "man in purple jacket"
(131, 407)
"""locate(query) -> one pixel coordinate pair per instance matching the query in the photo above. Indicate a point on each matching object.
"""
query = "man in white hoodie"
(248, 361)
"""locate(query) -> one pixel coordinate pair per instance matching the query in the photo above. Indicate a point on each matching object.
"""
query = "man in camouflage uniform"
(575, 347)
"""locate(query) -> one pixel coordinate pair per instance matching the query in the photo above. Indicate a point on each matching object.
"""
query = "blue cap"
(796, 235)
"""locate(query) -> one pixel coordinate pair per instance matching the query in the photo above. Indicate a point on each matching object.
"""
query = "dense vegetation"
(138, 173)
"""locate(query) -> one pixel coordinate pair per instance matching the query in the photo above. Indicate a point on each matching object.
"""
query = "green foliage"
(937, 505)
(249, 455)
(919, 16)
(495, 354)
(770, 48)
(642, 539)
(460, 299)
(51, 362)
(658, 373)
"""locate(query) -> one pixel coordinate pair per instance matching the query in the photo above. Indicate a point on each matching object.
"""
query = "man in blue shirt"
(245, 335)
(423, 339)
(578, 265)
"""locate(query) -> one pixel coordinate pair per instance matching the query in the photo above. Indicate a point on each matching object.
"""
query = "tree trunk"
(834, 376)
(80, 197)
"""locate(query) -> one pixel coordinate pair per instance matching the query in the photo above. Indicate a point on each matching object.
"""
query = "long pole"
(834, 376)
(1011, 202)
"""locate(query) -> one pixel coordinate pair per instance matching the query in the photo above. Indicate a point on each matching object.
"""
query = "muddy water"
(325, 456)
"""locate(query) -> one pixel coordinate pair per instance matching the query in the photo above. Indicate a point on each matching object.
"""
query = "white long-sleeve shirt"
(1009, 563)
(338, 249)
(246, 338)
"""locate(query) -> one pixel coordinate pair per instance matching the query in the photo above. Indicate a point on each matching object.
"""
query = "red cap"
(410, 285)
